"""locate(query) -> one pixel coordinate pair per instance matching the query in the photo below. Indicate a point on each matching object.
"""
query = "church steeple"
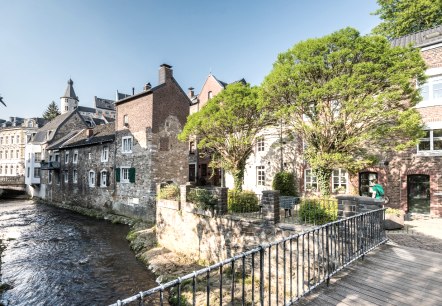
(69, 101)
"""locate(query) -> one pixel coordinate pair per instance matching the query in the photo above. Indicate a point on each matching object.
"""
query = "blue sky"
(109, 45)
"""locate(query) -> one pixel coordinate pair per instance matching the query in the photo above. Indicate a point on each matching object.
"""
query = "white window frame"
(260, 144)
(66, 157)
(66, 176)
(74, 176)
(260, 175)
(104, 154)
(37, 172)
(126, 144)
(49, 177)
(124, 175)
(339, 178)
(429, 85)
(310, 180)
(103, 178)
(89, 155)
(91, 178)
(75, 157)
(431, 140)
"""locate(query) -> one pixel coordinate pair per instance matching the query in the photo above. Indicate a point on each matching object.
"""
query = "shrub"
(202, 198)
(394, 211)
(170, 192)
(318, 211)
(285, 182)
(242, 201)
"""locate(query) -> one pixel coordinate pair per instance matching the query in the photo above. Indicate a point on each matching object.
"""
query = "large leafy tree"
(402, 17)
(347, 96)
(51, 112)
(227, 126)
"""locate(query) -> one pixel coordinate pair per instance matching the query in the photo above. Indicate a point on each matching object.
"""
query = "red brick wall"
(433, 57)
(139, 112)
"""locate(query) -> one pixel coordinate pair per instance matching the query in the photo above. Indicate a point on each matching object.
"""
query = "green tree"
(403, 17)
(227, 126)
(347, 96)
(51, 112)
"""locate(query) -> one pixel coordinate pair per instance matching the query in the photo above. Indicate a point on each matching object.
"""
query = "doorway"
(418, 193)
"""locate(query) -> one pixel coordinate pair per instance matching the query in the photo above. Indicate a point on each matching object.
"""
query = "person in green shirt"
(378, 190)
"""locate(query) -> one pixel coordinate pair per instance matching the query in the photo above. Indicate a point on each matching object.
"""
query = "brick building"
(147, 149)
(84, 174)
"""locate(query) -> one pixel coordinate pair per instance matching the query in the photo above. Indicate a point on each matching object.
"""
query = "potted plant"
(394, 219)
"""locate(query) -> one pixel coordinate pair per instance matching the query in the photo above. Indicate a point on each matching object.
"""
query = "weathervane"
(1, 100)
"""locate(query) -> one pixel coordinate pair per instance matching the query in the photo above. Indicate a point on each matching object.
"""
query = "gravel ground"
(425, 234)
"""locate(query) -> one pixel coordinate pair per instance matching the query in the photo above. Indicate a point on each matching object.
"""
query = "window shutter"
(107, 178)
(98, 178)
(132, 175)
(117, 174)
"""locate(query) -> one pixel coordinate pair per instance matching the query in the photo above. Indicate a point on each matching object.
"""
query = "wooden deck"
(390, 275)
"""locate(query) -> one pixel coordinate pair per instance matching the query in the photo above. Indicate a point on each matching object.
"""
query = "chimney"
(191, 93)
(147, 86)
(89, 132)
(165, 74)
(133, 91)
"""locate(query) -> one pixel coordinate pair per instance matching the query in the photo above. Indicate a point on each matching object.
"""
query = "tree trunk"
(323, 176)
(238, 177)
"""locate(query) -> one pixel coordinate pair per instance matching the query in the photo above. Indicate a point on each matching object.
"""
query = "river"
(57, 257)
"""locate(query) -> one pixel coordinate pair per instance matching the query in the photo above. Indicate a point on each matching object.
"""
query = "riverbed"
(57, 257)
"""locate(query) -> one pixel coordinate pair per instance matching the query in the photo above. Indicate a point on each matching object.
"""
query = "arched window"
(209, 95)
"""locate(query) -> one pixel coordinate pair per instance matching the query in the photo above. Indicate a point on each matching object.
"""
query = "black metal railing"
(277, 273)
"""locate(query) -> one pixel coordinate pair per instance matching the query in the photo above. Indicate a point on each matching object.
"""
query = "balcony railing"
(12, 180)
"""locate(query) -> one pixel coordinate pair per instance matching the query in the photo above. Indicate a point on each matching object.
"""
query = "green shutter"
(132, 175)
(117, 174)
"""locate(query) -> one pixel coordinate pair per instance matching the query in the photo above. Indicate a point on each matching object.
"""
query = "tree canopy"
(51, 112)
(227, 126)
(403, 17)
(347, 96)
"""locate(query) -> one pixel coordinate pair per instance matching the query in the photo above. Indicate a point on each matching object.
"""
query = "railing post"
(261, 275)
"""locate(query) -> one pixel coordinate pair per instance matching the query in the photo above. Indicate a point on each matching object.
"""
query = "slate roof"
(104, 104)
(101, 133)
(69, 92)
(121, 96)
(86, 109)
(57, 144)
(420, 39)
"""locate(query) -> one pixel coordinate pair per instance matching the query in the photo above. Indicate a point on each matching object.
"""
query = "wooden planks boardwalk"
(390, 275)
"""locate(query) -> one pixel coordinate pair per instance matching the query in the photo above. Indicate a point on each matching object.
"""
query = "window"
(1, 140)
(192, 148)
(57, 157)
(209, 95)
(66, 176)
(126, 144)
(28, 172)
(12, 139)
(74, 176)
(66, 108)
(339, 180)
(311, 181)
(105, 154)
(36, 172)
(1, 169)
(125, 175)
(66, 157)
(6, 139)
(1, 154)
(103, 179)
(6, 154)
(37, 157)
(89, 155)
(364, 183)
(260, 176)
(17, 154)
(125, 120)
(75, 157)
(260, 144)
(91, 178)
(17, 140)
(431, 91)
(12, 170)
(432, 142)
(50, 177)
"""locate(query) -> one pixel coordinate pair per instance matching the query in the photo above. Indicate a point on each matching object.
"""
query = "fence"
(277, 273)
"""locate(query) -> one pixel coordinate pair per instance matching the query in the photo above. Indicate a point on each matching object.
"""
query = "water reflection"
(56, 257)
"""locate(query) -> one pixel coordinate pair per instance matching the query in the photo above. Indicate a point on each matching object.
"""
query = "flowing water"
(56, 257)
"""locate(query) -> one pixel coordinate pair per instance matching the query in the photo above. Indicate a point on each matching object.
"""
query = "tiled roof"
(100, 134)
(104, 103)
(420, 39)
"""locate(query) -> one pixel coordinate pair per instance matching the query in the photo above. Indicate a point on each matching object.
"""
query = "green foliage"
(242, 201)
(285, 182)
(227, 126)
(51, 112)
(202, 198)
(170, 192)
(173, 300)
(345, 94)
(403, 17)
(318, 211)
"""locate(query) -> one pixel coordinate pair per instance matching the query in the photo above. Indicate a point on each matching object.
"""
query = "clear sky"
(109, 45)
